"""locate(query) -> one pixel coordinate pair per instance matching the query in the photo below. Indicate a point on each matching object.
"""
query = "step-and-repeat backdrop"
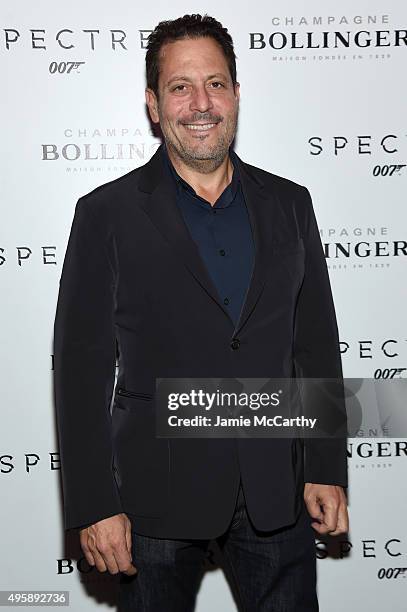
(323, 91)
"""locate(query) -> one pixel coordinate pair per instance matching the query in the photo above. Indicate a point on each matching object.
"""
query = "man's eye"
(178, 88)
(216, 83)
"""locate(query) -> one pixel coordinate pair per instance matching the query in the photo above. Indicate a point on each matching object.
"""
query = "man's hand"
(107, 544)
(327, 504)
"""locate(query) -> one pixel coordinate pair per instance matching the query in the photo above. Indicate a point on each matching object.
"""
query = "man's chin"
(204, 158)
(203, 153)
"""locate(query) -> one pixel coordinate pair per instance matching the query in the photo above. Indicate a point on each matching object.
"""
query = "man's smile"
(199, 127)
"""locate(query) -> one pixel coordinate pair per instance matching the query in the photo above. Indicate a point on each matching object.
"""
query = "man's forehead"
(188, 50)
(184, 67)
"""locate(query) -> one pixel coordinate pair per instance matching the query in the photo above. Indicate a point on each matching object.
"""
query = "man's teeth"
(204, 126)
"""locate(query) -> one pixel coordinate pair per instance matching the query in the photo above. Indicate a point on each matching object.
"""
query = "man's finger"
(131, 570)
(320, 528)
(90, 558)
(129, 539)
(83, 538)
(109, 557)
(343, 521)
(100, 564)
(330, 511)
(313, 507)
(123, 559)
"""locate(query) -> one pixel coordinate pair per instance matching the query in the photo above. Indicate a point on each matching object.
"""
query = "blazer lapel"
(260, 206)
(165, 214)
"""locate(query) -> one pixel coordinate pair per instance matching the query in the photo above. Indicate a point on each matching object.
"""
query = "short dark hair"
(188, 26)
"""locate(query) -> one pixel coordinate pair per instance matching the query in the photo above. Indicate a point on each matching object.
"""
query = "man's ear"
(152, 103)
(237, 91)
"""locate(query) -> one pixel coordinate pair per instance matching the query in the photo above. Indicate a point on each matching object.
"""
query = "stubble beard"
(205, 159)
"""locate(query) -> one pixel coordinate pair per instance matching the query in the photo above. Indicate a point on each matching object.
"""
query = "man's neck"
(207, 185)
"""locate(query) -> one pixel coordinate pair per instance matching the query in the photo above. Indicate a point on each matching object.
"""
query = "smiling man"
(196, 264)
(196, 105)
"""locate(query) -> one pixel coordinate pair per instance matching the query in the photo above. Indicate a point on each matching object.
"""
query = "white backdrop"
(333, 119)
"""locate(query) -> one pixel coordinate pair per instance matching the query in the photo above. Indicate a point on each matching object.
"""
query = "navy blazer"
(133, 287)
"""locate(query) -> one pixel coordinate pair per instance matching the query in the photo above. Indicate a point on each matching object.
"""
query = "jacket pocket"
(141, 459)
(121, 391)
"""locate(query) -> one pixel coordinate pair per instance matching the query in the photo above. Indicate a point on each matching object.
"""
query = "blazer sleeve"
(317, 354)
(84, 372)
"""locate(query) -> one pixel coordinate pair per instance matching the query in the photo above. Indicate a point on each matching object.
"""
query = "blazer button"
(235, 344)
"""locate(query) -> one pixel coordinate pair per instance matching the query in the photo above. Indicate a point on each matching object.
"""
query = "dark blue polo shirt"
(222, 233)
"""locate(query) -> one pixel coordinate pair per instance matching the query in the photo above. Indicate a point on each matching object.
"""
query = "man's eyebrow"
(178, 77)
(181, 77)
(217, 75)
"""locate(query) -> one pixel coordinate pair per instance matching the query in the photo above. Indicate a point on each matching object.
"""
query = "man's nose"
(200, 100)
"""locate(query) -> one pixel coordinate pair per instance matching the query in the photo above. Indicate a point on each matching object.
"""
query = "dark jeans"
(273, 571)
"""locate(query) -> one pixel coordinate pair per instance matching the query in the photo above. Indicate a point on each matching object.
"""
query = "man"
(194, 265)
